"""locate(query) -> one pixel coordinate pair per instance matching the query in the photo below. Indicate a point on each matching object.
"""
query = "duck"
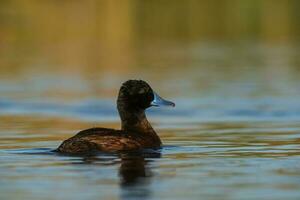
(136, 133)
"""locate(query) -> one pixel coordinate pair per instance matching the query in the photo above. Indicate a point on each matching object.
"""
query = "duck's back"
(102, 139)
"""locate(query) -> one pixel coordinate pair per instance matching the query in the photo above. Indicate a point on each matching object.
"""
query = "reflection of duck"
(135, 172)
(133, 167)
(135, 176)
(135, 96)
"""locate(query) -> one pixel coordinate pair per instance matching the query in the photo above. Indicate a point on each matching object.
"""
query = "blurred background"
(69, 50)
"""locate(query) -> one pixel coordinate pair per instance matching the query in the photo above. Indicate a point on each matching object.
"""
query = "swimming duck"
(136, 133)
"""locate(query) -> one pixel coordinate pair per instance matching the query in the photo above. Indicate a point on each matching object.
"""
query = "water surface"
(235, 135)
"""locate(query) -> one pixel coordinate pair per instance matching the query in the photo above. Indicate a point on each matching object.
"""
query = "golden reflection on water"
(218, 139)
(21, 131)
(119, 37)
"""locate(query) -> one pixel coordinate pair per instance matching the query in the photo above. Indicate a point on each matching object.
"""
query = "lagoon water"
(234, 133)
(231, 67)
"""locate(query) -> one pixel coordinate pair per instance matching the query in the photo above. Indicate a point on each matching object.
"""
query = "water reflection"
(135, 177)
(134, 171)
(241, 157)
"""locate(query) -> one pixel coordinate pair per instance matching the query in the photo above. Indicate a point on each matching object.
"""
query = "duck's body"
(136, 132)
(108, 140)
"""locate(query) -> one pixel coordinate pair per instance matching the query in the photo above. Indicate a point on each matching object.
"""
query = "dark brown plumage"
(136, 133)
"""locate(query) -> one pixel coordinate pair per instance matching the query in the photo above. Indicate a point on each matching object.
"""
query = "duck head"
(138, 95)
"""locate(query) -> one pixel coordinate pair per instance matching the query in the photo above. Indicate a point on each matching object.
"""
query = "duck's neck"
(135, 121)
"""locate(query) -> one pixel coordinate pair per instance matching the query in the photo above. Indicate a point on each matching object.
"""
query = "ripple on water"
(218, 158)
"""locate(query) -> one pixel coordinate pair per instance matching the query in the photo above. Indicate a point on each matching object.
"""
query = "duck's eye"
(142, 91)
